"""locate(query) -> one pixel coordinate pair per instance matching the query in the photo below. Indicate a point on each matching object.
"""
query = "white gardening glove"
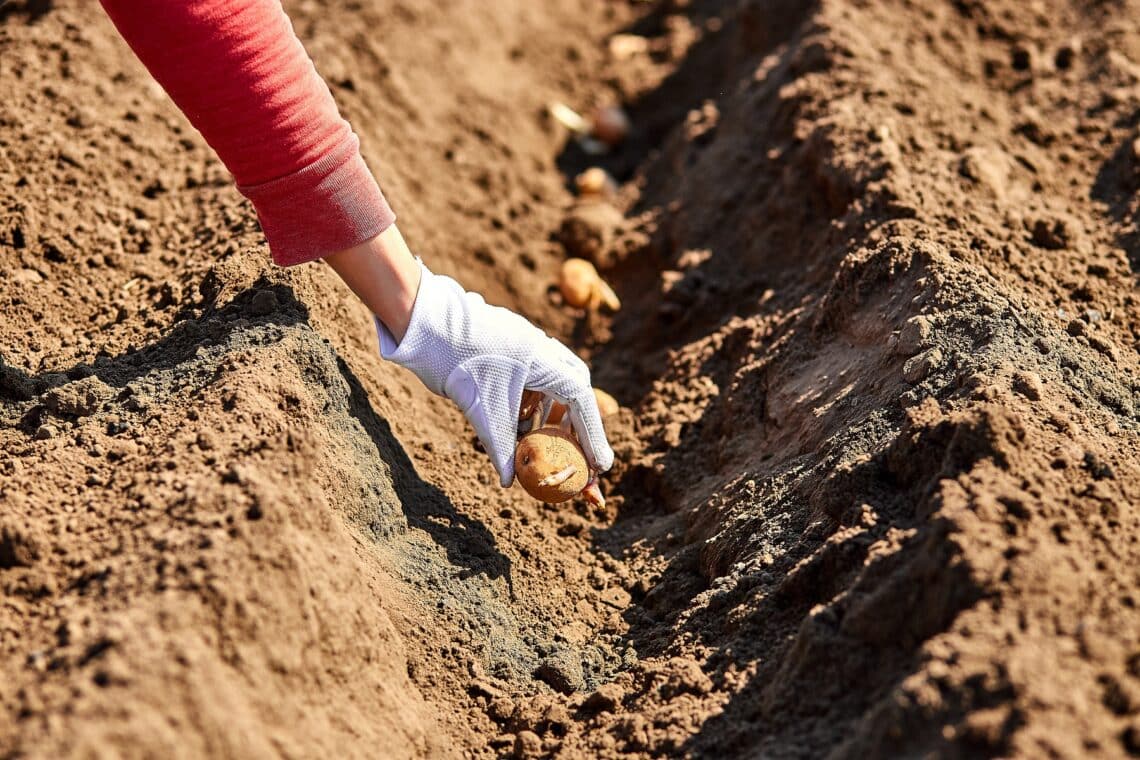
(482, 357)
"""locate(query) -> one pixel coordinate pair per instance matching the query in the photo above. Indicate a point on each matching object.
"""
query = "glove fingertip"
(507, 473)
(601, 457)
(606, 460)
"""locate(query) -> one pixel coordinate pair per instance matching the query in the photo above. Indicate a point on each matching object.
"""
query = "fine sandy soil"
(878, 479)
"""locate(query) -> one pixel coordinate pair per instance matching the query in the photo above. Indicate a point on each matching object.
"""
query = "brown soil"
(878, 479)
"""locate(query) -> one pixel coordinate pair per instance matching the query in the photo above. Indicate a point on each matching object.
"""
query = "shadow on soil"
(732, 32)
(468, 543)
(1116, 185)
(789, 588)
(31, 10)
(827, 631)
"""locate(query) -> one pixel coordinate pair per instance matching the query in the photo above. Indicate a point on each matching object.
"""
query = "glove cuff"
(428, 345)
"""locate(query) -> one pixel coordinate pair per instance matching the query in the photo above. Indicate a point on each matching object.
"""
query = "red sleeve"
(241, 76)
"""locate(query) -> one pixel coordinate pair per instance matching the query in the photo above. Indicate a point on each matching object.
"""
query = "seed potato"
(550, 465)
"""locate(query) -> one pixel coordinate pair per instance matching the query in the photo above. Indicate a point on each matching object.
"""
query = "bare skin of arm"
(383, 273)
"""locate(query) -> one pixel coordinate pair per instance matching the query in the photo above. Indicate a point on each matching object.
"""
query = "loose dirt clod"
(19, 545)
(563, 671)
(1028, 384)
(78, 399)
(918, 367)
(589, 230)
(914, 336)
(527, 745)
(263, 302)
(607, 698)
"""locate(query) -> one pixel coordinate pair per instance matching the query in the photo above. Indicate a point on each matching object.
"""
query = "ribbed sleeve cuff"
(330, 205)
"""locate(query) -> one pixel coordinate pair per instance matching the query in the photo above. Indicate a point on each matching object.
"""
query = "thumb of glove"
(489, 392)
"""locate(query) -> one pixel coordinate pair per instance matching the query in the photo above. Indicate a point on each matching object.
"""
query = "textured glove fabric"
(483, 357)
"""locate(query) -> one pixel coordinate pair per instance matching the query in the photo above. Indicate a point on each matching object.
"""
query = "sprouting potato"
(607, 405)
(583, 287)
(594, 182)
(569, 118)
(606, 129)
(577, 281)
(549, 462)
(551, 466)
(624, 46)
(610, 125)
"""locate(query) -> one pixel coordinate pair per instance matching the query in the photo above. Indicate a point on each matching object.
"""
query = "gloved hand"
(482, 357)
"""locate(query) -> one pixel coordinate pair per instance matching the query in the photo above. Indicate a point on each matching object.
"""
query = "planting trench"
(877, 478)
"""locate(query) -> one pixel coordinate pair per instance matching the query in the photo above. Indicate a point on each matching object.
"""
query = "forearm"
(243, 79)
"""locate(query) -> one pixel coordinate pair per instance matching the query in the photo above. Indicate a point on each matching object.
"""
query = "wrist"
(385, 275)
(432, 345)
